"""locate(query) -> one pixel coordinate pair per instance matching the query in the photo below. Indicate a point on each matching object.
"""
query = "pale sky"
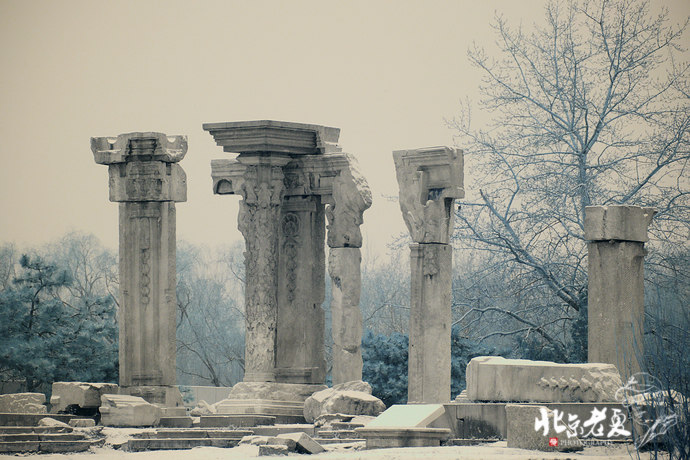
(385, 72)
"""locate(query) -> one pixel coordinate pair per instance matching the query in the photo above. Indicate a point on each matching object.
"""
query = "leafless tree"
(592, 108)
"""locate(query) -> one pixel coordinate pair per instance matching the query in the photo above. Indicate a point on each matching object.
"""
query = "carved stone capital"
(351, 197)
(142, 166)
(429, 180)
(619, 223)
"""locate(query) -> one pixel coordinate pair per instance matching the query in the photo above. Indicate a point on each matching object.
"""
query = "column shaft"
(430, 322)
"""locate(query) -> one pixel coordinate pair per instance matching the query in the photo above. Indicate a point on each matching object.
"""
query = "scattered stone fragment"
(124, 410)
(47, 421)
(82, 422)
(305, 444)
(79, 394)
(23, 403)
(328, 419)
(344, 400)
(203, 408)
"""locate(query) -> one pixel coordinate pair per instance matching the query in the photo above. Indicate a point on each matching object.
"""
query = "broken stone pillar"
(616, 237)
(351, 197)
(146, 180)
(287, 173)
(429, 180)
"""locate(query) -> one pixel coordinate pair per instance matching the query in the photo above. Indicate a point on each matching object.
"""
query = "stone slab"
(28, 420)
(81, 394)
(23, 403)
(305, 444)
(409, 415)
(390, 437)
(276, 430)
(224, 421)
(482, 420)
(494, 378)
(620, 223)
(138, 445)
(523, 432)
(176, 422)
(266, 450)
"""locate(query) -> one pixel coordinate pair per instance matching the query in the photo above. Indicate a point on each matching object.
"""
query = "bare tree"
(591, 108)
(210, 327)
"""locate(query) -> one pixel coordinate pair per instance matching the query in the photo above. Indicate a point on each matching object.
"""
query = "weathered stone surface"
(124, 410)
(81, 394)
(340, 399)
(493, 378)
(23, 403)
(304, 443)
(430, 180)
(346, 316)
(619, 223)
(270, 450)
(532, 427)
(146, 180)
(616, 284)
(430, 323)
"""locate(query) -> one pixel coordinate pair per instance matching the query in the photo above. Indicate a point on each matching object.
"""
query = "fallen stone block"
(304, 443)
(389, 437)
(352, 398)
(203, 408)
(533, 428)
(493, 378)
(23, 403)
(69, 395)
(48, 421)
(268, 449)
(82, 422)
(124, 410)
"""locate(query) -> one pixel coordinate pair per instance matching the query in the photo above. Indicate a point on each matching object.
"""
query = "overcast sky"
(385, 72)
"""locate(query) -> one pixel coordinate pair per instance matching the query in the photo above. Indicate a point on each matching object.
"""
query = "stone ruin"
(299, 192)
(292, 178)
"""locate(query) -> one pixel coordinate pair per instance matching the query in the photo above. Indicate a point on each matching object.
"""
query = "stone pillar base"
(284, 401)
(167, 397)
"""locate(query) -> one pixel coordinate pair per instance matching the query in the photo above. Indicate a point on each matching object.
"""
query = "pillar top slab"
(271, 137)
(620, 223)
(138, 146)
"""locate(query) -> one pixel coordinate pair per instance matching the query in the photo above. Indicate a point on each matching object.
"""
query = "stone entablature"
(430, 179)
(292, 177)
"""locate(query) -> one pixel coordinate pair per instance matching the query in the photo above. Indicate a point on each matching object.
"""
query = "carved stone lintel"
(429, 181)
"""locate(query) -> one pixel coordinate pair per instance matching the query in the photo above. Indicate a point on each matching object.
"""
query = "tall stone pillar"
(259, 222)
(429, 180)
(146, 180)
(350, 198)
(616, 237)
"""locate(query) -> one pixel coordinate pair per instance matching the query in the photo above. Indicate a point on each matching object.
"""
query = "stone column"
(616, 236)
(147, 181)
(259, 222)
(351, 197)
(429, 181)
